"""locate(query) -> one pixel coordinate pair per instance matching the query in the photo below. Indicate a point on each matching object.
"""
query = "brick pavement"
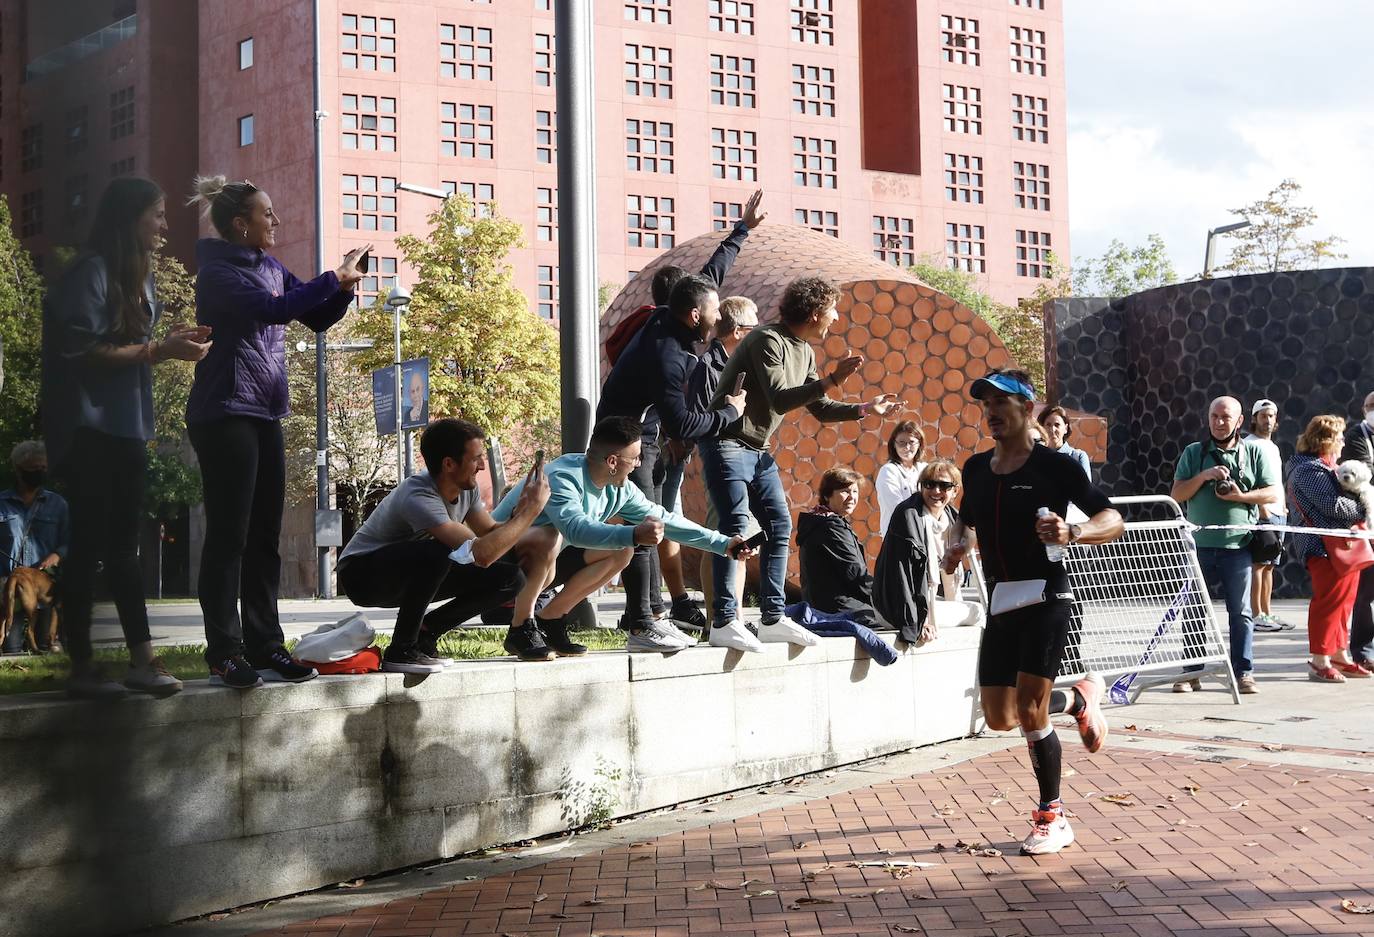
(1203, 845)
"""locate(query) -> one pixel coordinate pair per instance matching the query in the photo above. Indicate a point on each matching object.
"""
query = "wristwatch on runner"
(1075, 531)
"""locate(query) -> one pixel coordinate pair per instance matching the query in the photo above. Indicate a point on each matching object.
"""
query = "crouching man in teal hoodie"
(585, 493)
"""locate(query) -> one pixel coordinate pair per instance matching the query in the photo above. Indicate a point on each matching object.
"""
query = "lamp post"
(326, 581)
(396, 300)
(1212, 234)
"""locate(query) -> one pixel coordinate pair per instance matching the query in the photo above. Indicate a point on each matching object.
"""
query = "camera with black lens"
(1224, 486)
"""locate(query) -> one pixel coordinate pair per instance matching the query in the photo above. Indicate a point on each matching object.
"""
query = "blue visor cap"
(1003, 382)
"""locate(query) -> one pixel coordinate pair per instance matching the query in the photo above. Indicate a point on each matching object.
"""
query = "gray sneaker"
(152, 679)
(1267, 623)
(655, 637)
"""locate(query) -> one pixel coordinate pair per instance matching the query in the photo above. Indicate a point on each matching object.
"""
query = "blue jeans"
(1228, 571)
(741, 480)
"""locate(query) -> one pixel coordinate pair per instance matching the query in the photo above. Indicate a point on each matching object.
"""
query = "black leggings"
(243, 470)
(104, 478)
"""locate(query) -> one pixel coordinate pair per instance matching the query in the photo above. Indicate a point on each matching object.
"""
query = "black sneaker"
(687, 614)
(409, 660)
(429, 646)
(527, 643)
(235, 672)
(555, 633)
(280, 667)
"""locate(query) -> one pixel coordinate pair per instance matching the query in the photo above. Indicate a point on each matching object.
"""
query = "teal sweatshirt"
(580, 510)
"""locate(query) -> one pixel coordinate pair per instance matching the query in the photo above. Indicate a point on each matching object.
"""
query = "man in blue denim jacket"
(33, 524)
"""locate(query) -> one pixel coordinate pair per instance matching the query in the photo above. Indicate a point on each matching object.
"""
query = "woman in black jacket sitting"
(907, 576)
(834, 571)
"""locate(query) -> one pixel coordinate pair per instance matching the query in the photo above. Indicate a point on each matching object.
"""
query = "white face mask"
(1369, 418)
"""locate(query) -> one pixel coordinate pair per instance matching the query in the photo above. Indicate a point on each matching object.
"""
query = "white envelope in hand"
(1009, 596)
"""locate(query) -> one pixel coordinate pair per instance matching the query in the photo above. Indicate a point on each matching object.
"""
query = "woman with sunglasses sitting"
(834, 570)
(907, 578)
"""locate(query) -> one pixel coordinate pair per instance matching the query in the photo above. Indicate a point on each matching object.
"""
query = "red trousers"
(1333, 599)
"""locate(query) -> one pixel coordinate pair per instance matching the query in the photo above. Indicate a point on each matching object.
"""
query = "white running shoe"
(736, 637)
(787, 631)
(673, 631)
(655, 637)
(1092, 725)
(1050, 832)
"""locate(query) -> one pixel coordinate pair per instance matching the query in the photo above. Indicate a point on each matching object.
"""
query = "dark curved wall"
(1150, 363)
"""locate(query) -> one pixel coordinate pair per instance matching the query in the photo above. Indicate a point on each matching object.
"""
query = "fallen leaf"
(1068, 773)
(800, 902)
(1250, 844)
(800, 845)
(892, 864)
(1122, 799)
(493, 852)
(940, 847)
(1351, 907)
(903, 929)
(1118, 886)
(708, 809)
(591, 902)
(219, 916)
(1239, 804)
(988, 853)
(1130, 728)
(539, 898)
(356, 883)
(559, 916)
(469, 878)
(1301, 781)
(1272, 747)
(639, 845)
(1300, 829)
(760, 894)
(1117, 839)
(1191, 789)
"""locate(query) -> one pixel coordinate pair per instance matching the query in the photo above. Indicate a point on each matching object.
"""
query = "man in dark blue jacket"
(648, 383)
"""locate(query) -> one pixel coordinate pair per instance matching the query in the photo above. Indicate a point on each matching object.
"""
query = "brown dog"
(31, 588)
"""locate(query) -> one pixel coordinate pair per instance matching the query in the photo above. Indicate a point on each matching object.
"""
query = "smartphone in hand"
(739, 384)
(539, 460)
(365, 262)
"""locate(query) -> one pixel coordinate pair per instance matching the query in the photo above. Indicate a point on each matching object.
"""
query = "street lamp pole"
(1209, 258)
(326, 582)
(396, 300)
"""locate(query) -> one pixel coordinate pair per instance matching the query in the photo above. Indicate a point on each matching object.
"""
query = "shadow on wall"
(1150, 363)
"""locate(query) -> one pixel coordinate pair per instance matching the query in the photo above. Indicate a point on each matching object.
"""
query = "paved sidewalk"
(1201, 817)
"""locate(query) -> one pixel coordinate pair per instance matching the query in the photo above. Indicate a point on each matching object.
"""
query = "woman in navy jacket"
(234, 416)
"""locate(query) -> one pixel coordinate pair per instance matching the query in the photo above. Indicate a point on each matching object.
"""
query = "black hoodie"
(834, 572)
(901, 593)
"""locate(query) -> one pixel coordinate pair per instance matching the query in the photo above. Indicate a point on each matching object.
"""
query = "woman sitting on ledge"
(834, 571)
(907, 575)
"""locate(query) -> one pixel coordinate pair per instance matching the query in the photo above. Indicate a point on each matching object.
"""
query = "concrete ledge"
(146, 811)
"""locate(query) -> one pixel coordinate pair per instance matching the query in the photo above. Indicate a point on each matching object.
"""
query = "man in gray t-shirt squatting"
(400, 557)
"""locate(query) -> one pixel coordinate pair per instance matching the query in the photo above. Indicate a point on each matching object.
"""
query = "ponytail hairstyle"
(114, 236)
(222, 201)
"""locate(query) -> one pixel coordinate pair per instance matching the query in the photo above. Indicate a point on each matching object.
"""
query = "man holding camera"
(1223, 480)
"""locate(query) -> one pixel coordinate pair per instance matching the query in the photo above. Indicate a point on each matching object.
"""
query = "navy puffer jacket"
(247, 297)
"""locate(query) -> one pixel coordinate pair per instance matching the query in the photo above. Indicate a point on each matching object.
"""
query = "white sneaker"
(1050, 832)
(735, 636)
(152, 679)
(656, 637)
(673, 631)
(787, 631)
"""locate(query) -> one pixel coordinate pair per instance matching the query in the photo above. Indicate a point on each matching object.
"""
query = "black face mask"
(1226, 440)
(33, 478)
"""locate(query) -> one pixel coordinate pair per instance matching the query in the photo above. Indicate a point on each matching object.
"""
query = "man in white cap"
(1264, 419)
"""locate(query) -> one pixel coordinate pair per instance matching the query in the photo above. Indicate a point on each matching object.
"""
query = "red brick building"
(909, 127)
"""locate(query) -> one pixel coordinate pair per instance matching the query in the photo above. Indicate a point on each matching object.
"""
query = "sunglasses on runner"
(933, 483)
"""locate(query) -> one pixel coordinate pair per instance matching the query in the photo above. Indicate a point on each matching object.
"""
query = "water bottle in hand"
(1053, 551)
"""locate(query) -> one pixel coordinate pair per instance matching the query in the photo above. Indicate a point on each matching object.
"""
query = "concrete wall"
(148, 811)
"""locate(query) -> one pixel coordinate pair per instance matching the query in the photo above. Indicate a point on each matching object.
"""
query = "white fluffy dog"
(1354, 477)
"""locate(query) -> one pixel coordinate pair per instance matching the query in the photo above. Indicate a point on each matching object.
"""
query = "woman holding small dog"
(97, 405)
(1319, 501)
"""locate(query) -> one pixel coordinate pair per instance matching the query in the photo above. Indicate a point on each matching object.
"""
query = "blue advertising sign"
(414, 396)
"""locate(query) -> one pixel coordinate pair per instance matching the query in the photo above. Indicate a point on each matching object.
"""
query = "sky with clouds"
(1180, 111)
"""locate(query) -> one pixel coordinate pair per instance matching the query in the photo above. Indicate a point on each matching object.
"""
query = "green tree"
(492, 360)
(1275, 239)
(21, 327)
(173, 479)
(1123, 270)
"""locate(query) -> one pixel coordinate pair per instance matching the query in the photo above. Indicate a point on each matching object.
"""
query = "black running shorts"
(1028, 640)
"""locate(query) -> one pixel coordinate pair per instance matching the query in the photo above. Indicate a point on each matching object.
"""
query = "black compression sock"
(1070, 703)
(1047, 761)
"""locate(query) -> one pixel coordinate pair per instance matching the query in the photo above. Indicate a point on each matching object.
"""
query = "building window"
(369, 123)
(649, 11)
(465, 52)
(468, 130)
(482, 195)
(725, 215)
(31, 213)
(814, 162)
(545, 126)
(545, 62)
(649, 221)
(813, 90)
(813, 21)
(894, 240)
(121, 113)
(544, 6)
(1027, 51)
(1029, 4)
(963, 109)
(246, 130)
(966, 248)
(1030, 118)
(246, 53)
(648, 71)
(648, 145)
(1030, 185)
(964, 178)
(548, 291)
(77, 204)
(1033, 254)
(122, 167)
(369, 203)
(731, 16)
(31, 148)
(368, 43)
(734, 155)
(379, 282)
(826, 222)
(732, 81)
(78, 130)
(546, 214)
(959, 40)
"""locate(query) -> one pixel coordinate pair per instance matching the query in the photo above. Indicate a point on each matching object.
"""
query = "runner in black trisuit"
(1021, 650)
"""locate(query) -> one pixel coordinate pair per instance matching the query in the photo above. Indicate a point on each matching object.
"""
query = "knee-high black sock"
(1070, 703)
(1047, 761)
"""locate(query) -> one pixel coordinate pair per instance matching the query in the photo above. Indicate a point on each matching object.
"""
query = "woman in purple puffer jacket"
(234, 420)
